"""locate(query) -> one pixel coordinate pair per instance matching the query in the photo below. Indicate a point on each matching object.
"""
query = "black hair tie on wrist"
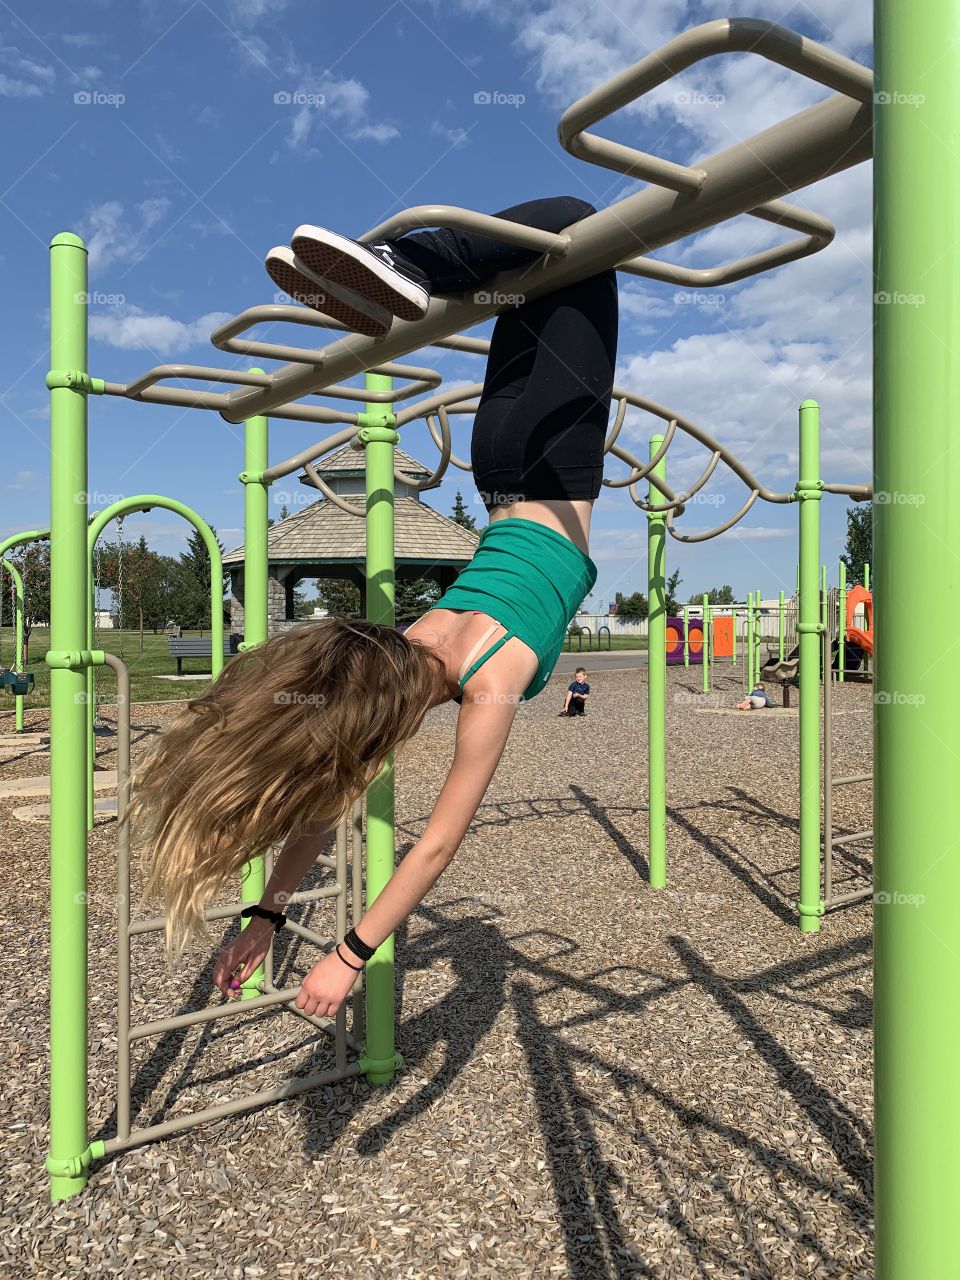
(357, 968)
(358, 946)
(278, 918)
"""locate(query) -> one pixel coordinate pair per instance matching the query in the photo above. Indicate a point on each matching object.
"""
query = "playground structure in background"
(918, 1120)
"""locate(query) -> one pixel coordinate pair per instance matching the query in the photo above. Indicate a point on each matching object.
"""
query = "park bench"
(200, 647)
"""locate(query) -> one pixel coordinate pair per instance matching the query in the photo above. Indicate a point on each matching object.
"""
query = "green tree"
(340, 598)
(193, 603)
(716, 595)
(632, 608)
(671, 588)
(33, 561)
(859, 549)
(413, 598)
(461, 515)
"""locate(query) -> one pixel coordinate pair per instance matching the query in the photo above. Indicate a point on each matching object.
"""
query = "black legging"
(542, 417)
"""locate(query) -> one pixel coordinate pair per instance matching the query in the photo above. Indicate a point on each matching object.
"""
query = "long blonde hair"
(291, 733)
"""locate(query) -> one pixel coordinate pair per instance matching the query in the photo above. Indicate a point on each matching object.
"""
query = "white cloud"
(456, 137)
(129, 328)
(115, 234)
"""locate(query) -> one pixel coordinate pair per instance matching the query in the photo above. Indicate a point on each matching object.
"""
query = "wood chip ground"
(601, 1080)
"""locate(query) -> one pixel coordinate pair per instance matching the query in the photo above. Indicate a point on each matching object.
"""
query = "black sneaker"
(335, 300)
(370, 271)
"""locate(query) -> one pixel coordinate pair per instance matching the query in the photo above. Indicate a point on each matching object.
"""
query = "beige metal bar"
(123, 893)
(820, 233)
(157, 923)
(251, 1100)
(315, 451)
(843, 899)
(854, 836)
(340, 1039)
(854, 777)
(824, 139)
(725, 35)
(356, 906)
(481, 224)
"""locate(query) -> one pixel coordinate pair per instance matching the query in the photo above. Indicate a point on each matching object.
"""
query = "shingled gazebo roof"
(324, 533)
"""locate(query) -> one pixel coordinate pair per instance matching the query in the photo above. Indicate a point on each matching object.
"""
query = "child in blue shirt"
(577, 693)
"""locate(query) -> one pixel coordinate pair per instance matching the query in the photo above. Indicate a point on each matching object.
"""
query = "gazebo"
(324, 541)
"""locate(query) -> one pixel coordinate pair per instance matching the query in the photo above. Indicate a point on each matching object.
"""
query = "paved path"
(596, 662)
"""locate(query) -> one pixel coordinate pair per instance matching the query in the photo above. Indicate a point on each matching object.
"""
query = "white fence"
(769, 619)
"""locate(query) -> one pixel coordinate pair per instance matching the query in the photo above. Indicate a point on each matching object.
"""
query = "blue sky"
(165, 134)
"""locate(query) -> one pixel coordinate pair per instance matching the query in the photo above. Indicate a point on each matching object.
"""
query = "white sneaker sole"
(335, 300)
(346, 262)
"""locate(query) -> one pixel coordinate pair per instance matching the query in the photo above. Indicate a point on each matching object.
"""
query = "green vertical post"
(758, 647)
(866, 577)
(917, 697)
(781, 623)
(256, 624)
(69, 383)
(751, 638)
(706, 643)
(733, 627)
(686, 636)
(379, 438)
(657, 676)
(809, 491)
(17, 580)
(842, 623)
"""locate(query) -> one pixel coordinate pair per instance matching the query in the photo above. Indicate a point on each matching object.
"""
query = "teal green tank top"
(530, 579)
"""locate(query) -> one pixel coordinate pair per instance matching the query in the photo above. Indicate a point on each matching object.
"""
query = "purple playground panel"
(675, 641)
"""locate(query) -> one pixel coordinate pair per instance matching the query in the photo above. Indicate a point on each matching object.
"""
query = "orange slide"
(857, 596)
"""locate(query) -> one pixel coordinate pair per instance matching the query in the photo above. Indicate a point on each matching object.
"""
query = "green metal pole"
(256, 625)
(751, 639)
(733, 620)
(842, 623)
(781, 622)
(866, 577)
(69, 384)
(686, 636)
(14, 573)
(706, 644)
(917, 696)
(657, 677)
(809, 491)
(758, 648)
(379, 438)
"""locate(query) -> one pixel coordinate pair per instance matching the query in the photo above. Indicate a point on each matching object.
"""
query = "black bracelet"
(358, 946)
(278, 918)
(357, 968)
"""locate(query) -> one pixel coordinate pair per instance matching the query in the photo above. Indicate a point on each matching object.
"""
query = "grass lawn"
(591, 645)
(144, 668)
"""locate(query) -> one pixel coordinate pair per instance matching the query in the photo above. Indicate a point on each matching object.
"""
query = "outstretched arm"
(482, 731)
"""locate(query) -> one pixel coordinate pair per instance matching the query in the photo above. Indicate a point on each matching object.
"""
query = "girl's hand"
(242, 957)
(326, 986)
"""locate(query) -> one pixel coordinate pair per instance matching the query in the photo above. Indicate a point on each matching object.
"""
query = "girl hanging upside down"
(294, 731)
